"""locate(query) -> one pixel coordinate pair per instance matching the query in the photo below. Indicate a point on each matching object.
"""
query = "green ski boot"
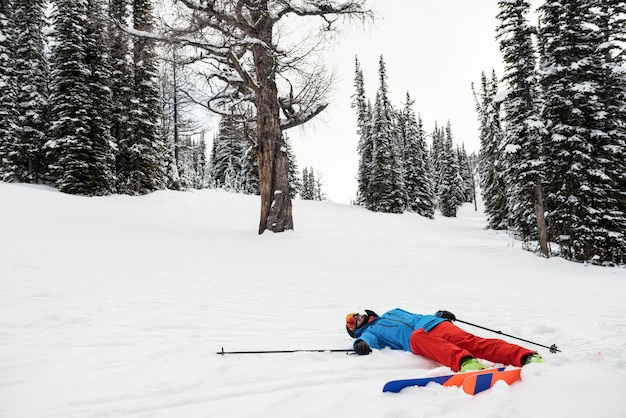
(533, 358)
(470, 364)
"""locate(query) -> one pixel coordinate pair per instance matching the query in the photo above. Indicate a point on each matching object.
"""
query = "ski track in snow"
(116, 306)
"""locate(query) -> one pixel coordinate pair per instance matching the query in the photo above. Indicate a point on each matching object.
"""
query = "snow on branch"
(249, 80)
(302, 117)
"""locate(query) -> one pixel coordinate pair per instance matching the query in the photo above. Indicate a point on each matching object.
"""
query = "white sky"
(432, 49)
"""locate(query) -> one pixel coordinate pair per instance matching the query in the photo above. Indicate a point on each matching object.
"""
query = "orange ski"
(480, 382)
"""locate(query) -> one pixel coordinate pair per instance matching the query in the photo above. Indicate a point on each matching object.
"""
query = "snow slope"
(116, 306)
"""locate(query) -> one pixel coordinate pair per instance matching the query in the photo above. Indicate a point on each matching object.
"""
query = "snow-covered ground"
(116, 306)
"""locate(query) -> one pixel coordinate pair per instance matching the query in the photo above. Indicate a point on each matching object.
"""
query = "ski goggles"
(351, 321)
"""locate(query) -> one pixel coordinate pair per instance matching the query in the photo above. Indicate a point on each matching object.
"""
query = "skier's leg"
(495, 350)
(441, 350)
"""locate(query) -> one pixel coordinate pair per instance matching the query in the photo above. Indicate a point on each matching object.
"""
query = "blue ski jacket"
(393, 329)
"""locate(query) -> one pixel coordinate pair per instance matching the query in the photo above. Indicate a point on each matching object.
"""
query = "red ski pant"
(449, 345)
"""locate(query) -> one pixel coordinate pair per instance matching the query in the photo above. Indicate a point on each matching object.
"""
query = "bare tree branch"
(302, 117)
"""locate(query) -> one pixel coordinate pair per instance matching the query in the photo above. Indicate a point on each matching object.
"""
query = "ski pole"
(553, 348)
(347, 351)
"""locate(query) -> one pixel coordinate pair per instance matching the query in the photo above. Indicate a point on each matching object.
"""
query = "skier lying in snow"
(432, 336)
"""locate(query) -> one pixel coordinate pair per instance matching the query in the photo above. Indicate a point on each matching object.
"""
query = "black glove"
(362, 348)
(446, 315)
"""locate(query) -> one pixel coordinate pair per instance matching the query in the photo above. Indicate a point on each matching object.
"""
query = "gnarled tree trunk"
(276, 212)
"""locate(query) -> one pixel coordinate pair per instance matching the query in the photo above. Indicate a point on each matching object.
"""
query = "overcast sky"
(432, 49)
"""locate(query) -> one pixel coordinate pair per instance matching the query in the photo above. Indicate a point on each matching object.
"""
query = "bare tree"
(252, 70)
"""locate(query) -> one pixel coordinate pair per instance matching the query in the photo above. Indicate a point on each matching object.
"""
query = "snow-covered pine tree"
(250, 163)
(295, 184)
(175, 172)
(8, 92)
(199, 165)
(472, 162)
(228, 148)
(143, 155)
(121, 82)
(524, 133)
(426, 196)
(400, 140)
(74, 162)
(212, 161)
(69, 90)
(573, 73)
(449, 197)
(308, 184)
(386, 188)
(233, 162)
(311, 185)
(98, 61)
(417, 179)
(32, 76)
(466, 181)
(365, 146)
(491, 164)
(192, 163)
(610, 147)
(398, 193)
(436, 156)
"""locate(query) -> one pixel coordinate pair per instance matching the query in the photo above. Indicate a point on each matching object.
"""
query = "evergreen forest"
(93, 104)
(552, 163)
